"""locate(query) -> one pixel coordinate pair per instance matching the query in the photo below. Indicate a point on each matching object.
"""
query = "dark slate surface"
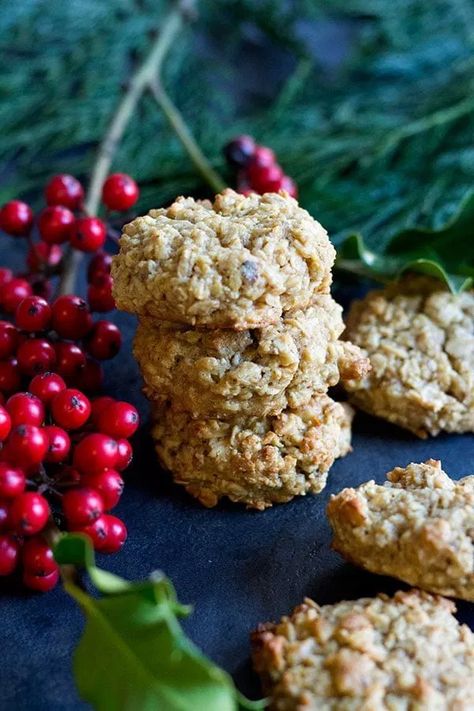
(237, 567)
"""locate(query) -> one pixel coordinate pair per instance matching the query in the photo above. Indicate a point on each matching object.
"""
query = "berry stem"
(182, 131)
(120, 119)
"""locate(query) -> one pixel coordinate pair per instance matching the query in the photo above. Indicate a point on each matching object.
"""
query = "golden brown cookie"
(256, 461)
(238, 262)
(420, 341)
(418, 527)
(406, 653)
(223, 373)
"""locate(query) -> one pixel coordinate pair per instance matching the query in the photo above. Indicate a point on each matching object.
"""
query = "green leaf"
(134, 653)
(446, 253)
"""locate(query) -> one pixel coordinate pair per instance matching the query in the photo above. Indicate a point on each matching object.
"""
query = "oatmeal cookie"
(400, 653)
(257, 461)
(420, 341)
(418, 527)
(238, 262)
(224, 373)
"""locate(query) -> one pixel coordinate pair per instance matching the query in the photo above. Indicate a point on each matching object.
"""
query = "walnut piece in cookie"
(237, 262)
(224, 373)
(382, 653)
(418, 527)
(420, 341)
(256, 461)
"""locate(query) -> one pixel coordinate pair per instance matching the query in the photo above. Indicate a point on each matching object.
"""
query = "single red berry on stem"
(13, 292)
(116, 534)
(35, 355)
(10, 376)
(9, 554)
(99, 294)
(29, 513)
(55, 224)
(240, 150)
(16, 218)
(118, 419)
(94, 453)
(70, 409)
(33, 314)
(40, 583)
(5, 424)
(125, 454)
(120, 192)
(26, 446)
(109, 484)
(64, 190)
(71, 317)
(42, 255)
(59, 444)
(25, 409)
(8, 339)
(70, 359)
(100, 264)
(104, 340)
(12, 481)
(37, 557)
(82, 506)
(46, 386)
(88, 234)
(91, 377)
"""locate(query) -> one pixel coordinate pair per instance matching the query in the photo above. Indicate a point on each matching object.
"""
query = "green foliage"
(134, 653)
(378, 141)
(446, 253)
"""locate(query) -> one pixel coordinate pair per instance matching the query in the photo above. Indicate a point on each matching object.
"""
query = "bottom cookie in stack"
(256, 461)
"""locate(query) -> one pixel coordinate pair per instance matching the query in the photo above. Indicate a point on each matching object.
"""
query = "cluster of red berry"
(61, 453)
(257, 168)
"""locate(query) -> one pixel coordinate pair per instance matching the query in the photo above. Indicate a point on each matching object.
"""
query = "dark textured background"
(237, 567)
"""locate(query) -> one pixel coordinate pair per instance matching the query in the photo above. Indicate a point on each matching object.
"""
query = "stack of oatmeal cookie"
(238, 343)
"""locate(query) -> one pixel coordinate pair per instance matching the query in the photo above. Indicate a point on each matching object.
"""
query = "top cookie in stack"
(238, 343)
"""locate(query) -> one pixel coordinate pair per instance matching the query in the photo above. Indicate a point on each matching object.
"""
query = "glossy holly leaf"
(446, 253)
(134, 653)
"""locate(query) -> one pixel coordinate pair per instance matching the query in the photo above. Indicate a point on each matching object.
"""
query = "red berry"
(120, 192)
(59, 444)
(13, 292)
(36, 355)
(100, 264)
(9, 554)
(26, 446)
(29, 513)
(239, 151)
(64, 190)
(99, 294)
(37, 557)
(5, 424)
(43, 255)
(89, 234)
(8, 339)
(97, 531)
(94, 453)
(10, 378)
(33, 314)
(12, 481)
(91, 377)
(116, 534)
(263, 156)
(55, 224)
(4, 515)
(82, 506)
(41, 583)
(109, 484)
(265, 178)
(46, 386)
(70, 359)
(25, 409)
(71, 317)
(289, 185)
(119, 420)
(99, 404)
(125, 454)
(70, 409)
(16, 218)
(104, 340)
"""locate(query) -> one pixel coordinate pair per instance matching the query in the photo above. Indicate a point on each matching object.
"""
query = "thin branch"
(111, 141)
(182, 131)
